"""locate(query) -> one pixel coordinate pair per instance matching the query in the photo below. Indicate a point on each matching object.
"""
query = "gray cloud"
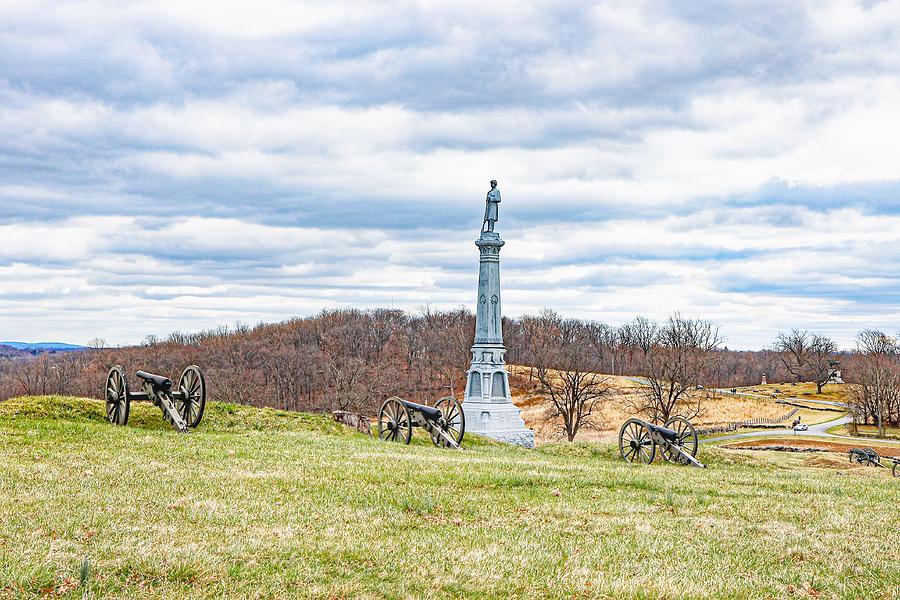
(733, 159)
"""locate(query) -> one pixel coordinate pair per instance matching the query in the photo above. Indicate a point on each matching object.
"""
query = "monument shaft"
(488, 405)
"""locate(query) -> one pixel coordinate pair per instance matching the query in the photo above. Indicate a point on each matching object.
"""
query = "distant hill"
(10, 352)
(43, 346)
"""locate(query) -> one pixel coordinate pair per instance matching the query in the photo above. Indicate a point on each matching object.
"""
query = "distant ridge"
(43, 346)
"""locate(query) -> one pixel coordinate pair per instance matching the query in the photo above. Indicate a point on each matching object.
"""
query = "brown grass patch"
(809, 444)
(829, 460)
(608, 417)
(835, 392)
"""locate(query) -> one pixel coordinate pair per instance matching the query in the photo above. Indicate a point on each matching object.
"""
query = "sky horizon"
(169, 166)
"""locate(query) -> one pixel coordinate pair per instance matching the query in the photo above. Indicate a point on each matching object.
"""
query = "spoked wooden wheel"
(896, 469)
(636, 443)
(686, 440)
(858, 456)
(117, 400)
(872, 457)
(452, 420)
(394, 422)
(192, 401)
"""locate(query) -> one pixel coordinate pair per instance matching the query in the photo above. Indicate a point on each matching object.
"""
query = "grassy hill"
(258, 503)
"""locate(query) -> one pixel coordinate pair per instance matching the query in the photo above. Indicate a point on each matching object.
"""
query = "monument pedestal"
(488, 406)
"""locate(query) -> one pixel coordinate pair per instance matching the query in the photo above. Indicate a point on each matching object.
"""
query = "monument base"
(501, 421)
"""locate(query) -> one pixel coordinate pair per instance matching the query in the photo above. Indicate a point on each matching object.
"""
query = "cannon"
(870, 458)
(445, 421)
(182, 406)
(677, 441)
(865, 456)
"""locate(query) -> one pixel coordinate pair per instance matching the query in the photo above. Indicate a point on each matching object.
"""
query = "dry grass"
(718, 409)
(890, 433)
(832, 392)
(822, 444)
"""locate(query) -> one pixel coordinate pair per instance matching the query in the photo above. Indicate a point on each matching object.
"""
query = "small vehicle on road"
(801, 427)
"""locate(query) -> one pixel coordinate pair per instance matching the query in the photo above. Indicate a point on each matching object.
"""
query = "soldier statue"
(491, 208)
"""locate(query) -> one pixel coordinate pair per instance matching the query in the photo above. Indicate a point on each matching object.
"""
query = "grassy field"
(832, 392)
(890, 433)
(273, 505)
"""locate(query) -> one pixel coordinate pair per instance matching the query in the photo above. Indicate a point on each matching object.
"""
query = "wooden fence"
(758, 422)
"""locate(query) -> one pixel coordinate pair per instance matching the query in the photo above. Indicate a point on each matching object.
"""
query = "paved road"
(818, 430)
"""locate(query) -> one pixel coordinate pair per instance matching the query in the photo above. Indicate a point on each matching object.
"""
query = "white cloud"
(141, 276)
(275, 158)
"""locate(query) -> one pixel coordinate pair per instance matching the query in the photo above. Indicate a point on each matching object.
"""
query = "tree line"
(351, 359)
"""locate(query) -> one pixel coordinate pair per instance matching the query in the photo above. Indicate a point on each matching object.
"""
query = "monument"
(488, 405)
(835, 375)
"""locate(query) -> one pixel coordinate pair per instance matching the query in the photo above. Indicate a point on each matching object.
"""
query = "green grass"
(890, 433)
(258, 503)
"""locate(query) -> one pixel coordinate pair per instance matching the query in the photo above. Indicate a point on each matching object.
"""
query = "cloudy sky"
(178, 165)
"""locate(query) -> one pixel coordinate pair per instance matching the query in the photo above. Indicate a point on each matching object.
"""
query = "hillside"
(43, 346)
(259, 503)
(7, 351)
(717, 409)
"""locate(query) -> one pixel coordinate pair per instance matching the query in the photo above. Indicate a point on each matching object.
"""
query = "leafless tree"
(878, 389)
(97, 343)
(807, 356)
(448, 337)
(794, 350)
(639, 335)
(821, 360)
(34, 376)
(675, 357)
(566, 364)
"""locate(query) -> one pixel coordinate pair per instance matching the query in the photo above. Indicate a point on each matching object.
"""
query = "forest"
(353, 359)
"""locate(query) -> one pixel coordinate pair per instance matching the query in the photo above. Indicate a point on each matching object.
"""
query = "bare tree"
(675, 357)
(821, 360)
(98, 343)
(807, 356)
(879, 378)
(566, 366)
(34, 376)
(794, 350)
(447, 337)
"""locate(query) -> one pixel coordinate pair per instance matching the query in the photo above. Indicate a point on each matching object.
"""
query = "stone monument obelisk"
(488, 405)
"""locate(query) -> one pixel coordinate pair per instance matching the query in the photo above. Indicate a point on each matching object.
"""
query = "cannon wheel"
(453, 421)
(117, 401)
(872, 457)
(858, 456)
(687, 440)
(191, 407)
(636, 443)
(896, 470)
(394, 422)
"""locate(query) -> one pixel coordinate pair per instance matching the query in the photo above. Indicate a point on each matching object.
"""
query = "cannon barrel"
(158, 381)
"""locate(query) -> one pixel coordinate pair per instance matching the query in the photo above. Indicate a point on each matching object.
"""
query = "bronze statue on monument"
(491, 208)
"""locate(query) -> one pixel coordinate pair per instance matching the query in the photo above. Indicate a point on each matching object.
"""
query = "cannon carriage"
(444, 421)
(865, 456)
(677, 441)
(182, 406)
(870, 458)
